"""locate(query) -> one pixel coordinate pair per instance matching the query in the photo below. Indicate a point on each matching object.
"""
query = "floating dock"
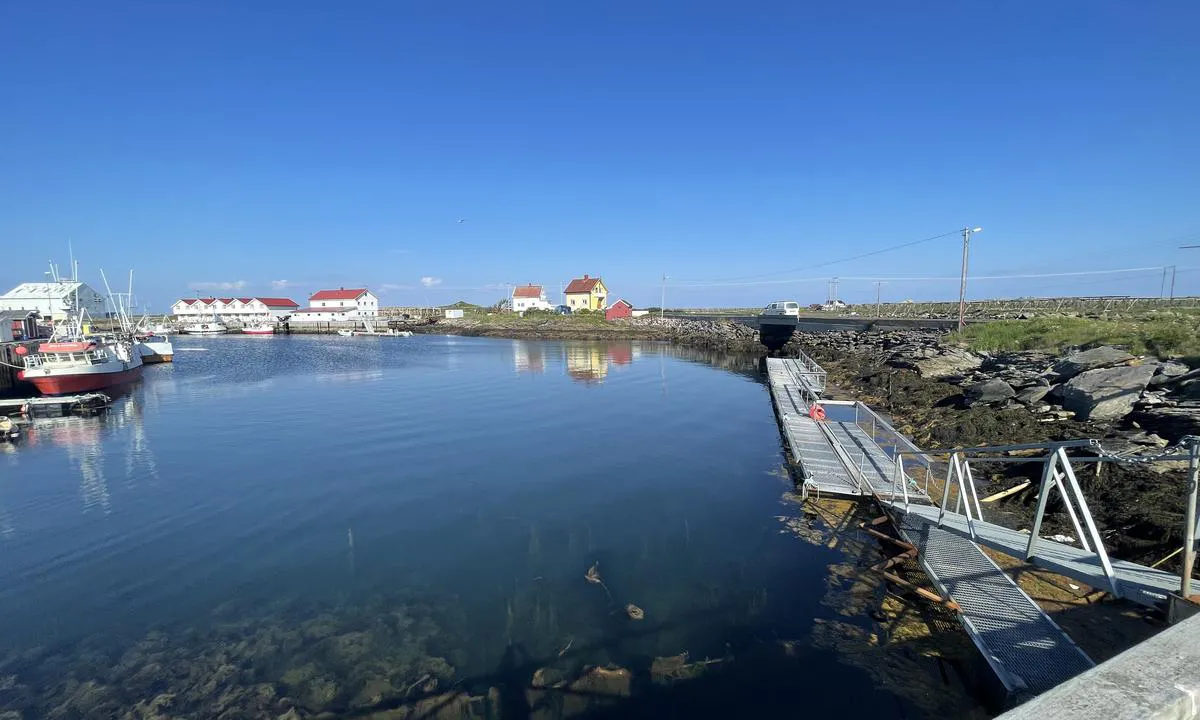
(55, 406)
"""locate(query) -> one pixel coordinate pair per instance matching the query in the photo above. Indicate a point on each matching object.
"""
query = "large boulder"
(937, 363)
(1033, 395)
(1107, 394)
(1100, 357)
(988, 392)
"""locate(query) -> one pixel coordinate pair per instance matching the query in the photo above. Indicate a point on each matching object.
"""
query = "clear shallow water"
(334, 518)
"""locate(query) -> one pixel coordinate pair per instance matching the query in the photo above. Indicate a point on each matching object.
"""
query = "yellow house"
(586, 293)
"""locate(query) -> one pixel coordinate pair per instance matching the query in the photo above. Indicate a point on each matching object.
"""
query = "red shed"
(619, 309)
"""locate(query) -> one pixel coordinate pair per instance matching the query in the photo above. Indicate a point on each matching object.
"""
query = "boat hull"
(156, 351)
(74, 383)
(258, 332)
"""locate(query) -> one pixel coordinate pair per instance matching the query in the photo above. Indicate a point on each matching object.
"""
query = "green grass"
(1166, 335)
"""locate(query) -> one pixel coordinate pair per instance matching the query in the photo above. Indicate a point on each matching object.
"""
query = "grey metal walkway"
(823, 471)
(1141, 584)
(1027, 650)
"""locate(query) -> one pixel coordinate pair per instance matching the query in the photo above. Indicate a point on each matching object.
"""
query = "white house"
(529, 297)
(339, 305)
(243, 310)
(53, 299)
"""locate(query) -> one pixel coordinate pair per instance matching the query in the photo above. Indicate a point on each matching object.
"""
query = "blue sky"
(280, 147)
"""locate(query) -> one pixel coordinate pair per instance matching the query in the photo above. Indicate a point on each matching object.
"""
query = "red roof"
(226, 300)
(581, 285)
(277, 302)
(339, 294)
(246, 300)
(188, 301)
(528, 291)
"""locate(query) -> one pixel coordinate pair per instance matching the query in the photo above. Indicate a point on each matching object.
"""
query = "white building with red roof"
(529, 297)
(339, 305)
(245, 310)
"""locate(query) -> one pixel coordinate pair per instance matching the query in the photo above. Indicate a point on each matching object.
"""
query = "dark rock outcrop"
(989, 392)
(1094, 359)
(1107, 394)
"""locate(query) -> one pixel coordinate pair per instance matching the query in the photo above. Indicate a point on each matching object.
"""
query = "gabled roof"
(227, 300)
(339, 294)
(584, 284)
(622, 302)
(277, 302)
(43, 290)
(188, 301)
(528, 291)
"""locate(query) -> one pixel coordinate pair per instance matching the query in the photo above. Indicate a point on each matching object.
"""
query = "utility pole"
(962, 287)
(1189, 530)
(878, 306)
(662, 304)
(1162, 285)
(1172, 295)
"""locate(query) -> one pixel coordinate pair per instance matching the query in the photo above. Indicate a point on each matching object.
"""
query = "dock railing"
(813, 374)
(1058, 472)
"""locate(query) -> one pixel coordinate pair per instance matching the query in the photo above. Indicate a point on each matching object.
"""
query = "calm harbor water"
(336, 524)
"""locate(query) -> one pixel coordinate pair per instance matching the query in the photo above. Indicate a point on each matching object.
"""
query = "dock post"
(1189, 532)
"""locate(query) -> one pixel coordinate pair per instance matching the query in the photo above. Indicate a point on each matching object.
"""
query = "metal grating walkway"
(1138, 583)
(810, 448)
(1027, 650)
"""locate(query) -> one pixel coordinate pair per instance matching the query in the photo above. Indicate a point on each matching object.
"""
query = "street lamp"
(962, 288)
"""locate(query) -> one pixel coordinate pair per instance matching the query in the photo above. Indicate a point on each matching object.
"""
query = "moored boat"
(214, 327)
(76, 366)
(259, 329)
(155, 349)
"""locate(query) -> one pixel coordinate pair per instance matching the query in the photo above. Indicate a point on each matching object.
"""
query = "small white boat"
(162, 329)
(204, 328)
(390, 332)
(259, 329)
(370, 330)
(155, 349)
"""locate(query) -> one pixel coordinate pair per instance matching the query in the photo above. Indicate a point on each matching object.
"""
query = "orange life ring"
(816, 412)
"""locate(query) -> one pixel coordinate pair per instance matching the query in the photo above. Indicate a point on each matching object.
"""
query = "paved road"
(818, 323)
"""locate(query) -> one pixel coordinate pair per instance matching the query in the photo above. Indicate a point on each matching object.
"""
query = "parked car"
(783, 307)
(562, 310)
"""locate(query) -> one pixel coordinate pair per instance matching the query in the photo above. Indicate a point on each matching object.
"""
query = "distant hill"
(462, 305)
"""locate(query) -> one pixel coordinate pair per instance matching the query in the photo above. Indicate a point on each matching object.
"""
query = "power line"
(860, 256)
(947, 278)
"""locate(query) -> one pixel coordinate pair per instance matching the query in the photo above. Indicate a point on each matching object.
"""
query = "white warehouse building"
(339, 305)
(52, 300)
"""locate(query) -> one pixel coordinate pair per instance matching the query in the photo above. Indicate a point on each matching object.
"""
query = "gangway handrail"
(1058, 473)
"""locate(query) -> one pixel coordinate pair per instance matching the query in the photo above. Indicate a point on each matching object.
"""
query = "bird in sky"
(461, 221)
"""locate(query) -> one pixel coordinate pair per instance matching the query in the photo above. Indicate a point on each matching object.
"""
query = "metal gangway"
(1027, 651)
(1082, 557)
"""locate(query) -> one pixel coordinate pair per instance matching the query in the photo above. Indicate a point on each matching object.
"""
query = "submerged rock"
(1107, 394)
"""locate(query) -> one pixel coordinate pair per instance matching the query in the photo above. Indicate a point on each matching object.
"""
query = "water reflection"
(585, 361)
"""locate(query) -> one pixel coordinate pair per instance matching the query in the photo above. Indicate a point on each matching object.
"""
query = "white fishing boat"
(262, 328)
(204, 328)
